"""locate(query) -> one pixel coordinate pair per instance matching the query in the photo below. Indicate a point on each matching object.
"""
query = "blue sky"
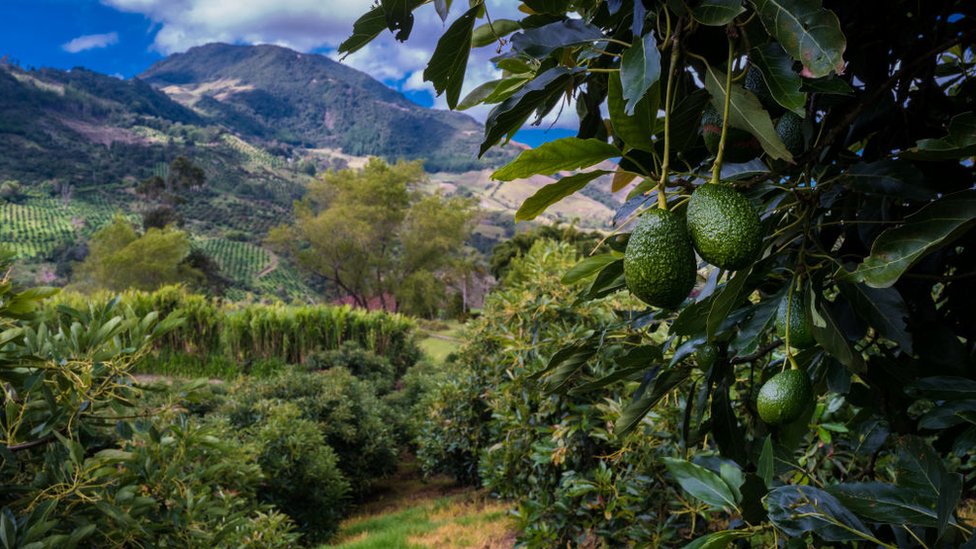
(124, 37)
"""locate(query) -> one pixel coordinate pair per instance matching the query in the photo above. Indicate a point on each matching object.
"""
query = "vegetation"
(592, 411)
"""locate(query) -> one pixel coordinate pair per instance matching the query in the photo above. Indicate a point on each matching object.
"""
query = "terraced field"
(36, 228)
(240, 261)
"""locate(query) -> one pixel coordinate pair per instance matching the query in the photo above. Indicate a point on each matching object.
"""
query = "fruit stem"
(662, 199)
(717, 165)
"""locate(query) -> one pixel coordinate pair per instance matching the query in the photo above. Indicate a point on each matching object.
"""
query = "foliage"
(120, 259)
(345, 410)
(373, 237)
(361, 363)
(504, 253)
(869, 219)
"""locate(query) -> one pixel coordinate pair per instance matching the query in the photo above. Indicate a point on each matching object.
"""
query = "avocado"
(659, 262)
(740, 145)
(755, 83)
(706, 355)
(789, 128)
(785, 397)
(801, 323)
(724, 227)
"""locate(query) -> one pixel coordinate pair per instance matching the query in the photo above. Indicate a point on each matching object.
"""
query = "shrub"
(301, 474)
(355, 423)
(360, 362)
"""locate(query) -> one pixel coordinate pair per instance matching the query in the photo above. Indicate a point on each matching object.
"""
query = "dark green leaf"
(541, 41)
(489, 33)
(830, 336)
(478, 95)
(798, 510)
(565, 363)
(946, 415)
(807, 31)
(718, 540)
(717, 12)
(568, 153)
(889, 177)
(554, 192)
(588, 267)
(783, 83)
(943, 388)
(399, 17)
(609, 280)
(919, 467)
(665, 381)
(364, 30)
(725, 427)
(883, 308)
(640, 68)
(692, 319)
(753, 330)
(511, 113)
(764, 466)
(950, 491)
(635, 130)
(886, 503)
(897, 249)
(552, 7)
(959, 143)
(724, 301)
(701, 483)
(830, 85)
(746, 113)
(450, 58)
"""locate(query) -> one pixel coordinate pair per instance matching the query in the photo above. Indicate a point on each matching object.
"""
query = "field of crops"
(39, 226)
(239, 261)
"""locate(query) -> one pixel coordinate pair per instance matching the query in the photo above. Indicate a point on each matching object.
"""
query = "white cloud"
(307, 25)
(91, 41)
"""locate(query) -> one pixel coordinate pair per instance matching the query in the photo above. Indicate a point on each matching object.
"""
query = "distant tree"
(503, 254)
(161, 217)
(371, 235)
(11, 190)
(152, 187)
(119, 259)
(184, 174)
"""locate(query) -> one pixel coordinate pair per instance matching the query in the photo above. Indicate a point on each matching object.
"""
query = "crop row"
(241, 261)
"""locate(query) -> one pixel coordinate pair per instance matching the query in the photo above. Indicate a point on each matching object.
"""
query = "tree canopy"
(849, 127)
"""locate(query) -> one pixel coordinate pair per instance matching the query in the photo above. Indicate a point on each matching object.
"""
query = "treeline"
(219, 333)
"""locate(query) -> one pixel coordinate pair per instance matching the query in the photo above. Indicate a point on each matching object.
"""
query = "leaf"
(443, 8)
(511, 113)
(807, 31)
(622, 178)
(450, 58)
(886, 503)
(947, 415)
(919, 467)
(943, 388)
(717, 12)
(701, 483)
(777, 72)
(609, 280)
(950, 491)
(831, 337)
(478, 95)
(541, 41)
(798, 510)
(637, 129)
(829, 85)
(588, 267)
(764, 466)
(554, 192)
(897, 249)
(746, 113)
(724, 301)
(640, 68)
(725, 427)
(753, 330)
(959, 143)
(665, 381)
(568, 153)
(718, 540)
(490, 32)
(565, 363)
(399, 17)
(883, 308)
(364, 30)
(889, 177)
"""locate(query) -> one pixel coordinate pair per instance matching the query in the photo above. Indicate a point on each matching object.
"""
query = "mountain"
(274, 94)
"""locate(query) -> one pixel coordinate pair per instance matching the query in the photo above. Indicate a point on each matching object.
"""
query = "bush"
(361, 363)
(302, 478)
(355, 423)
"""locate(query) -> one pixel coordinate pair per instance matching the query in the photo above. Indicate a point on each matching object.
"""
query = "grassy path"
(409, 513)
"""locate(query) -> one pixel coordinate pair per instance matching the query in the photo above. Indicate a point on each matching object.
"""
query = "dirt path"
(270, 268)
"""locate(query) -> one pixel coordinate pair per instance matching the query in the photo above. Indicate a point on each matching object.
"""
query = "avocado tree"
(799, 217)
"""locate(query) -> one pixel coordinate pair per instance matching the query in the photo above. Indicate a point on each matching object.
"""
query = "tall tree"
(370, 231)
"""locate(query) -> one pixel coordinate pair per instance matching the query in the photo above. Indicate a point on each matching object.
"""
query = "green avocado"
(785, 397)
(724, 227)
(789, 128)
(706, 355)
(801, 324)
(755, 83)
(659, 262)
(740, 145)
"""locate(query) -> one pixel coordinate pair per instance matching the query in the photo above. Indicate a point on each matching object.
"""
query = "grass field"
(441, 339)
(409, 513)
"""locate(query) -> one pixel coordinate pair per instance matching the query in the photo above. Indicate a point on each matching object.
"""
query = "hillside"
(259, 120)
